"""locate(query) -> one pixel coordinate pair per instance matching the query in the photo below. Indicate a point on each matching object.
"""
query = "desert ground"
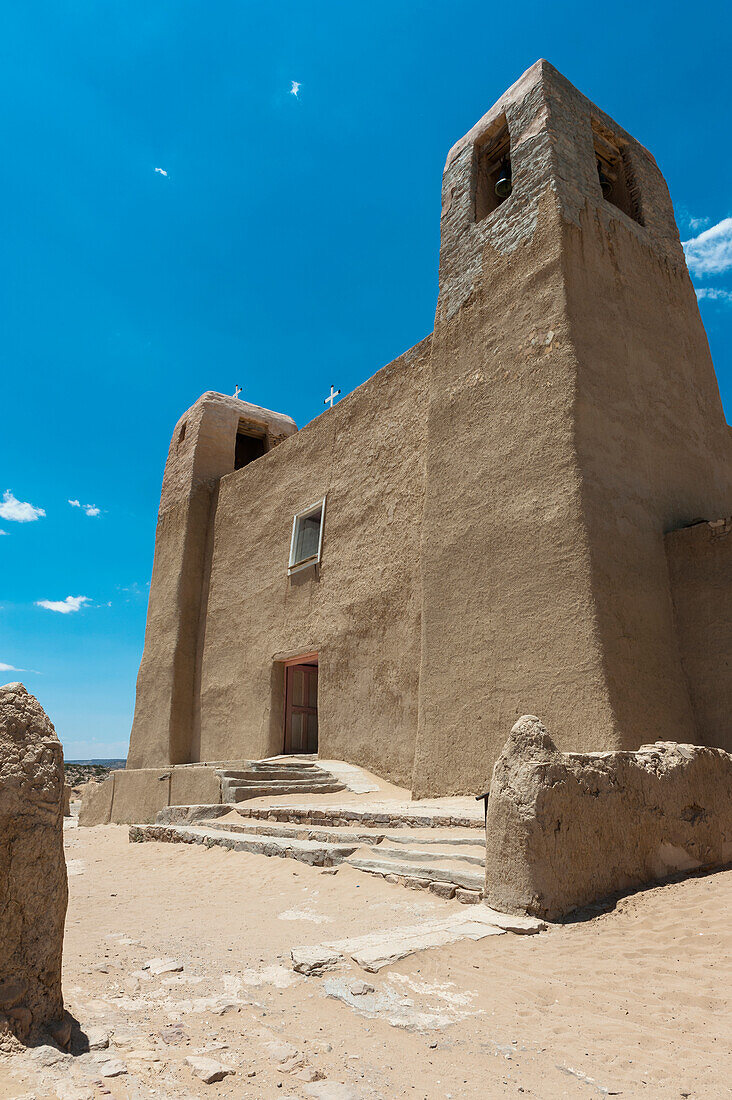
(632, 1001)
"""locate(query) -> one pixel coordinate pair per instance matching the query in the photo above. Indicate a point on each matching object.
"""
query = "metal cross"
(237, 391)
(331, 397)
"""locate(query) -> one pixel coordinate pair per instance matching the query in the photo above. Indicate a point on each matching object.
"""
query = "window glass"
(307, 536)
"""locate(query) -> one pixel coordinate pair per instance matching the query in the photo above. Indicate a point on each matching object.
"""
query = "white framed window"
(307, 537)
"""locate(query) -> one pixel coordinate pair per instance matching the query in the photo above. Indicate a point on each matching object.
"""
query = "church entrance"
(301, 705)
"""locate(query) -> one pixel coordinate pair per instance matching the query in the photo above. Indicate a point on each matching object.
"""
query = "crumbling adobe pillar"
(33, 886)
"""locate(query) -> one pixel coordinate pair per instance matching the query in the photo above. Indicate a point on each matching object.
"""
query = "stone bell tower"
(574, 420)
(215, 437)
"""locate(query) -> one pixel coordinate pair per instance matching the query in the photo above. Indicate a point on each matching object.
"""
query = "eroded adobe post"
(33, 885)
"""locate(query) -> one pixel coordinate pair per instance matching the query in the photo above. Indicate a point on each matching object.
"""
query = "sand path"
(634, 1002)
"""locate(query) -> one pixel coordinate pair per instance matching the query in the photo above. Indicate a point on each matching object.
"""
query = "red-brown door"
(301, 708)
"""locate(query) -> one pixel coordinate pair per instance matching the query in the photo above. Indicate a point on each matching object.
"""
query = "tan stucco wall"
(700, 568)
(201, 451)
(360, 611)
(497, 498)
(139, 794)
(655, 453)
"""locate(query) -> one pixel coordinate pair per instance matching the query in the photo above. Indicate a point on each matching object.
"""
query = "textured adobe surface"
(498, 499)
(700, 567)
(33, 887)
(96, 802)
(565, 829)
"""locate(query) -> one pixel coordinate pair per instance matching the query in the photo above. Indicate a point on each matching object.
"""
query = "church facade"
(521, 514)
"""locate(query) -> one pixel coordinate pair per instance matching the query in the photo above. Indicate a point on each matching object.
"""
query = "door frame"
(289, 662)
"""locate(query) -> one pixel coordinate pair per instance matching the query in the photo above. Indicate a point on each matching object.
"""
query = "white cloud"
(713, 294)
(295, 88)
(695, 224)
(75, 503)
(710, 253)
(64, 607)
(18, 510)
(3, 533)
(10, 668)
(161, 171)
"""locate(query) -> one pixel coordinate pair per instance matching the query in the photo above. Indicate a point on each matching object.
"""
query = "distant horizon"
(249, 195)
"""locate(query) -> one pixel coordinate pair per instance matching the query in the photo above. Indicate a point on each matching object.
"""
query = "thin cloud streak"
(713, 294)
(710, 253)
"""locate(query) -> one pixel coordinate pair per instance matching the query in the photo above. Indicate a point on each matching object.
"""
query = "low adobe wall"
(134, 796)
(565, 829)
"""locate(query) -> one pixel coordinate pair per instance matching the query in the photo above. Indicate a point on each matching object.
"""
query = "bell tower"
(216, 436)
(574, 419)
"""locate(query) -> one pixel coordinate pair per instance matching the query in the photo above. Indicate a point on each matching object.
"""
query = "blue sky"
(292, 243)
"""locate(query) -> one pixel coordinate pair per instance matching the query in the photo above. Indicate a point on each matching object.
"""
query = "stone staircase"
(447, 861)
(267, 778)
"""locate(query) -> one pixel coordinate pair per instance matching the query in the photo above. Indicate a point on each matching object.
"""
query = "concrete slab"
(379, 949)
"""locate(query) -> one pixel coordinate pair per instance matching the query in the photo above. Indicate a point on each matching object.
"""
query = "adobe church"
(521, 514)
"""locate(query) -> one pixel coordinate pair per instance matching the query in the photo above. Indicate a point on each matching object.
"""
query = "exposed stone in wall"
(564, 829)
(33, 887)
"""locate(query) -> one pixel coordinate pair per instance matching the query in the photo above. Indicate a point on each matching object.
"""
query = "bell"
(605, 182)
(504, 184)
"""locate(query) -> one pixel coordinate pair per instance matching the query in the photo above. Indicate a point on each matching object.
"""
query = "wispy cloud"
(161, 171)
(710, 253)
(714, 294)
(3, 533)
(295, 87)
(64, 607)
(10, 668)
(88, 509)
(18, 510)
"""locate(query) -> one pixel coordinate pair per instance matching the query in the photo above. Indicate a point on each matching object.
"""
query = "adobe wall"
(201, 451)
(654, 448)
(566, 829)
(570, 363)
(360, 610)
(700, 569)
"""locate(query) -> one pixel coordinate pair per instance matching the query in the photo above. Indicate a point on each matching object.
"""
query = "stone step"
(306, 851)
(419, 872)
(417, 857)
(477, 840)
(349, 815)
(298, 832)
(264, 772)
(233, 791)
(295, 781)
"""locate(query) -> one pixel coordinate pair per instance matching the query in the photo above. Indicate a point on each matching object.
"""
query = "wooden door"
(301, 708)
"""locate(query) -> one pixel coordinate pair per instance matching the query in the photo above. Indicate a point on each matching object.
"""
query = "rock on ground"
(33, 885)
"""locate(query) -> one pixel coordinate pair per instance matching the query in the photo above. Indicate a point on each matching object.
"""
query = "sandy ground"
(633, 1002)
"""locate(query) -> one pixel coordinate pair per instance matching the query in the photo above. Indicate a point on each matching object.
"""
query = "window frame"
(313, 559)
